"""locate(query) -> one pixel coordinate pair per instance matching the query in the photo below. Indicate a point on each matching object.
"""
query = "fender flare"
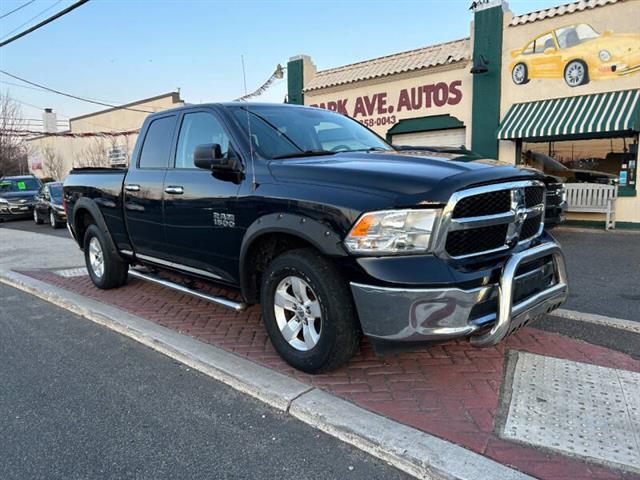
(91, 206)
(321, 236)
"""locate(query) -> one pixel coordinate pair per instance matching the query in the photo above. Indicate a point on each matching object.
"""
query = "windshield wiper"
(371, 149)
(305, 153)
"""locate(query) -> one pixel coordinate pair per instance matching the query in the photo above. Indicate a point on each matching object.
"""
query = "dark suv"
(49, 205)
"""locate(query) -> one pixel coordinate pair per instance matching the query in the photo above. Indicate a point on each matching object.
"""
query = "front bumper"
(16, 210)
(532, 282)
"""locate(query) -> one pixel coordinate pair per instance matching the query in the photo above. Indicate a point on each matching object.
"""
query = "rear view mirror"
(549, 51)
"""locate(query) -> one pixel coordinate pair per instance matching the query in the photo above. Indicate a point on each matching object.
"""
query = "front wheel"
(105, 268)
(576, 73)
(308, 312)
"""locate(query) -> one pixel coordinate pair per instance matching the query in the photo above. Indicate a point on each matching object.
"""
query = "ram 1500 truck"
(333, 231)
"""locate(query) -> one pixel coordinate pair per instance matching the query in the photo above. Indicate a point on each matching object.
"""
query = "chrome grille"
(491, 218)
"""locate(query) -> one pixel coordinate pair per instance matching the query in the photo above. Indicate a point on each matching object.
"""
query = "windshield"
(280, 132)
(575, 35)
(11, 185)
(56, 192)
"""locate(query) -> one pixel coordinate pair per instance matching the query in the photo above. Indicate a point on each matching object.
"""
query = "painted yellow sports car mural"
(578, 54)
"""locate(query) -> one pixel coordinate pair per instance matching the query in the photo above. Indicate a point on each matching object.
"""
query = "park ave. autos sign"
(385, 108)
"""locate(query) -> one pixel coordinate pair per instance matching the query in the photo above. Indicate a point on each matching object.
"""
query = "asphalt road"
(604, 271)
(78, 401)
(30, 226)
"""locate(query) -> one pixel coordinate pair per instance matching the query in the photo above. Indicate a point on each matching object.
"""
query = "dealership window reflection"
(604, 160)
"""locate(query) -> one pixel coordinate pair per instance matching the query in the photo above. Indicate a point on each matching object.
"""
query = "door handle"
(174, 190)
(132, 188)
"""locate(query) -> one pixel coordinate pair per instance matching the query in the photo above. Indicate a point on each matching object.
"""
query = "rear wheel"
(53, 220)
(105, 268)
(308, 312)
(520, 74)
(36, 217)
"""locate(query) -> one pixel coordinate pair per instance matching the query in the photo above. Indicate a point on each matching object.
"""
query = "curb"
(619, 323)
(408, 449)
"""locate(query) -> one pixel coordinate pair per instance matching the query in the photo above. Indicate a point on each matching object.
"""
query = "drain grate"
(578, 409)
(72, 272)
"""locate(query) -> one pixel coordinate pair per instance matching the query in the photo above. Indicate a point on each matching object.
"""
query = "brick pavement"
(450, 390)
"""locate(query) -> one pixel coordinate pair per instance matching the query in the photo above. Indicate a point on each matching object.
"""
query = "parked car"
(576, 53)
(49, 205)
(332, 241)
(556, 196)
(17, 196)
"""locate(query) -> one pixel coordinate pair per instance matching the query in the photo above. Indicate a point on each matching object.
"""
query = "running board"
(225, 302)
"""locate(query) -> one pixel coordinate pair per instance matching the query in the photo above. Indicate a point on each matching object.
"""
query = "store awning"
(596, 113)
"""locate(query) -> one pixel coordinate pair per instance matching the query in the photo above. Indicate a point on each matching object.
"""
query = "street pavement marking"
(612, 322)
(578, 409)
(72, 272)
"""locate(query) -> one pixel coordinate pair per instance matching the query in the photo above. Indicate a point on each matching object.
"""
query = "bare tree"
(96, 154)
(13, 150)
(52, 163)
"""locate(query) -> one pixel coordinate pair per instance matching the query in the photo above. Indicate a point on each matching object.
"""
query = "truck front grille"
(465, 242)
(483, 204)
(491, 218)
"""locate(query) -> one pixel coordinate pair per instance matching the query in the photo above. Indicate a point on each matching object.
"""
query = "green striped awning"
(595, 113)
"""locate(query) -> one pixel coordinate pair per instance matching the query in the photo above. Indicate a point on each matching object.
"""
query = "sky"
(122, 51)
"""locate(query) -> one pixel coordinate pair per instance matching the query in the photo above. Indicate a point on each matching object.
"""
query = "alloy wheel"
(519, 73)
(574, 74)
(96, 257)
(298, 313)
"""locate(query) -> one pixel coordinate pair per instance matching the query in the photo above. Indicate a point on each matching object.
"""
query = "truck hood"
(406, 178)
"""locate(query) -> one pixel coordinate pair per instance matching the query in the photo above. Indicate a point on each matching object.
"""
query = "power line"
(44, 22)
(38, 89)
(74, 96)
(16, 9)
(42, 12)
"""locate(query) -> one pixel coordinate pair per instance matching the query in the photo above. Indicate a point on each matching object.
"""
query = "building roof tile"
(559, 10)
(425, 57)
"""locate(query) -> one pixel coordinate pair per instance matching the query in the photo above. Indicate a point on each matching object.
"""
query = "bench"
(593, 198)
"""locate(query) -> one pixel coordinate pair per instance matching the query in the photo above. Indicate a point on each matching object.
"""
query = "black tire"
(53, 220)
(114, 272)
(340, 333)
(580, 80)
(36, 217)
(520, 74)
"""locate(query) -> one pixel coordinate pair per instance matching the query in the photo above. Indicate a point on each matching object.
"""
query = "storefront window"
(605, 160)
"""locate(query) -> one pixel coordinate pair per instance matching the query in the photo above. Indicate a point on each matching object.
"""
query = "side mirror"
(549, 51)
(209, 157)
(607, 33)
(206, 156)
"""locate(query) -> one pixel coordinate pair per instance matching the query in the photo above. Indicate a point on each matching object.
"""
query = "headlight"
(604, 55)
(392, 232)
(3, 201)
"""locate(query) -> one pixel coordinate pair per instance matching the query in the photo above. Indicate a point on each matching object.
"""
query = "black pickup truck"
(333, 231)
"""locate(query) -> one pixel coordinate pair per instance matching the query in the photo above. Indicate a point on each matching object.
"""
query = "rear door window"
(156, 149)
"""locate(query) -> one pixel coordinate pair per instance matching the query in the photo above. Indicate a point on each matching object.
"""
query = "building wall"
(380, 117)
(58, 155)
(620, 18)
